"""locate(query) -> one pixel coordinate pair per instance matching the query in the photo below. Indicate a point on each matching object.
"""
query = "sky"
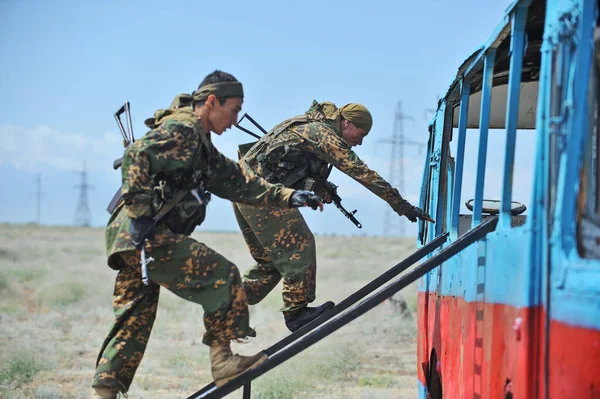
(67, 66)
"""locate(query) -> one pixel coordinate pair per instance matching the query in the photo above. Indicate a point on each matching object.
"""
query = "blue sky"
(68, 65)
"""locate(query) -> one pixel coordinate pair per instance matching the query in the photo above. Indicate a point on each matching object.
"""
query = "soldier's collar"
(337, 125)
(205, 137)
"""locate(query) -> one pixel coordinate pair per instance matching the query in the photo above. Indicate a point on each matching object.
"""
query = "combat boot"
(104, 393)
(225, 366)
(305, 315)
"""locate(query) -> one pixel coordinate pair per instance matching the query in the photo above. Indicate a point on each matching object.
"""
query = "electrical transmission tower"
(38, 195)
(38, 198)
(83, 216)
(393, 225)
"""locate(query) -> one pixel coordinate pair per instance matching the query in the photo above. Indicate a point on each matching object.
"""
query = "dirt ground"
(55, 309)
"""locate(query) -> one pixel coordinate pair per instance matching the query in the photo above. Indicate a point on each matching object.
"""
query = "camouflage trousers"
(282, 245)
(192, 271)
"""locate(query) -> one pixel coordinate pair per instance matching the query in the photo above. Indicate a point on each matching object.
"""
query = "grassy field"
(55, 309)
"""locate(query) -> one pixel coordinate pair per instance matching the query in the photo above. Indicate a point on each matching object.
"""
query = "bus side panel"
(574, 370)
(471, 366)
(510, 358)
(479, 316)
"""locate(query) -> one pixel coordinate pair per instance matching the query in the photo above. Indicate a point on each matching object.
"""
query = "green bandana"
(358, 115)
(220, 90)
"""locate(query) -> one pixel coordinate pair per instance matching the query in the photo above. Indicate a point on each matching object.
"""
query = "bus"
(517, 313)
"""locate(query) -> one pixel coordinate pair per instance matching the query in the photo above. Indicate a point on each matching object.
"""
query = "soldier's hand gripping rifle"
(330, 188)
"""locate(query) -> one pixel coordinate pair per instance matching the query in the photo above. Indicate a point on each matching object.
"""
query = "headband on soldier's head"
(219, 89)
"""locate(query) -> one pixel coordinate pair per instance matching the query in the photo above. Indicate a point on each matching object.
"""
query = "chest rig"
(283, 158)
(190, 211)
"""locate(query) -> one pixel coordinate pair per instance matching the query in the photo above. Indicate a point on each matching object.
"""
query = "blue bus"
(517, 314)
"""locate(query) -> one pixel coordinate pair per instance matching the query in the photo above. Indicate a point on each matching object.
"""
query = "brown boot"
(225, 366)
(105, 393)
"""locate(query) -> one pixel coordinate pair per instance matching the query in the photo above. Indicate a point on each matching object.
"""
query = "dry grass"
(55, 309)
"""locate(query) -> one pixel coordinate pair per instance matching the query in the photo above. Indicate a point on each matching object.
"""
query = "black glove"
(302, 197)
(418, 213)
(141, 229)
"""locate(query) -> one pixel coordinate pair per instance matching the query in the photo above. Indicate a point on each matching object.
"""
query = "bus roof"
(472, 69)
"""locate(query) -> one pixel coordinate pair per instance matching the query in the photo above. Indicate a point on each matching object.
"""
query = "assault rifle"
(128, 139)
(330, 188)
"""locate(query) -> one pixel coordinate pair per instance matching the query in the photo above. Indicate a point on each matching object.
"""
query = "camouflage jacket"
(176, 154)
(303, 146)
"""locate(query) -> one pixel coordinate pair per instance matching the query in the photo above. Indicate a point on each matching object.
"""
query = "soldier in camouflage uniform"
(299, 153)
(175, 164)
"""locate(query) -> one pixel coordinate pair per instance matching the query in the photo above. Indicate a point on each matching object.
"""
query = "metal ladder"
(315, 331)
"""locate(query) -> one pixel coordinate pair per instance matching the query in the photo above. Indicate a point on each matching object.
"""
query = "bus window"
(492, 191)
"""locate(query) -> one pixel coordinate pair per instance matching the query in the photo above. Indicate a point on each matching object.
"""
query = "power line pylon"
(38, 198)
(83, 216)
(38, 195)
(394, 225)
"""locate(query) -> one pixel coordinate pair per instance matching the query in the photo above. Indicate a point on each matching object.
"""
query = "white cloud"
(32, 149)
